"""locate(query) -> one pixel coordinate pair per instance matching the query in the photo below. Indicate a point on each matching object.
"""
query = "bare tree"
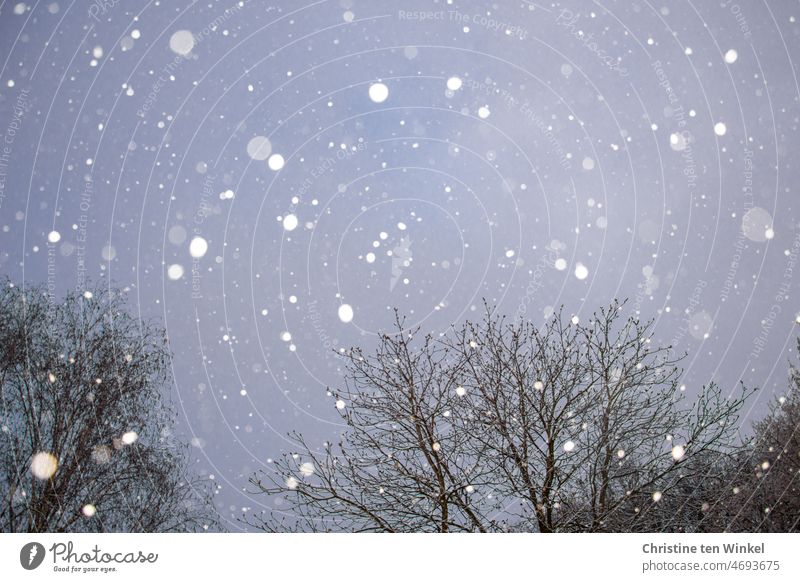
(86, 441)
(760, 491)
(502, 425)
(589, 421)
(405, 462)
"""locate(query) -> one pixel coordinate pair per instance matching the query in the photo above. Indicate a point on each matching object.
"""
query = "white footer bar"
(351, 558)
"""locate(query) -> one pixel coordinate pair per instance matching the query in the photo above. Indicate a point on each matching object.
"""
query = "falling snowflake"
(678, 452)
(44, 465)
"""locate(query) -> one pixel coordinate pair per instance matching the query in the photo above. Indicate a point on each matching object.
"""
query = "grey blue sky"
(271, 179)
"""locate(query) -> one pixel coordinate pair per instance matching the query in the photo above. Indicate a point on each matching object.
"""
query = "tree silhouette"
(760, 491)
(407, 462)
(86, 441)
(504, 426)
(589, 422)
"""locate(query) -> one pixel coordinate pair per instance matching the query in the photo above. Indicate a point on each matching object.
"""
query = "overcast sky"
(271, 179)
